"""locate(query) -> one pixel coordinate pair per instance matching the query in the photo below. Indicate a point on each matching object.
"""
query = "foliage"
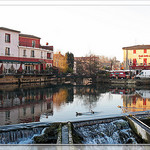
(69, 70)
(70, 61)
(88, 65)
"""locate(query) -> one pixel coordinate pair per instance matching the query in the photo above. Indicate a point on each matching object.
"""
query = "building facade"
(60, 61)
(136, 57)
(22, 52)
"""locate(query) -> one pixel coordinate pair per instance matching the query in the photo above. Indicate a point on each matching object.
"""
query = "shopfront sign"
(144, 55)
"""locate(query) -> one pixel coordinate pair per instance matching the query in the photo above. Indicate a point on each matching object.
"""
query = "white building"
(23, 52)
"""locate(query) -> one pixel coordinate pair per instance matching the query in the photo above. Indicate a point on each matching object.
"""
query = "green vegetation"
(70, 62)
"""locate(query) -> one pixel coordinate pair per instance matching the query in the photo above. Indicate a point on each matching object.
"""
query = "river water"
(49, 103)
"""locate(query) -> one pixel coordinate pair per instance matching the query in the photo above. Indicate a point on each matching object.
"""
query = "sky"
(99, 30)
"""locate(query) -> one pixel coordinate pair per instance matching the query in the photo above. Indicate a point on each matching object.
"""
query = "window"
(7, 38)
(7, 51)
(145, 61)
(32, 53)
(141, 73)
(145, 50)
(134, 51)
(41, 54)
(48, 55)
(24, 52)
(33, 43)
(134, 61)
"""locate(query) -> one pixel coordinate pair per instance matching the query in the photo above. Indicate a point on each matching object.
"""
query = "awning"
(30, 62)
(23, 62)
(42, 61)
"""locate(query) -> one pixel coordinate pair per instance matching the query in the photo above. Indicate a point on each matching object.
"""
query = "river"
(49, 103)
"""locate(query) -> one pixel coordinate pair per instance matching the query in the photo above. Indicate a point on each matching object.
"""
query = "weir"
(66, 132)
(19, 136)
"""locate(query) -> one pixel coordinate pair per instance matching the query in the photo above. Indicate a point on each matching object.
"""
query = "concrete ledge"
(59, 139)
(141, 129)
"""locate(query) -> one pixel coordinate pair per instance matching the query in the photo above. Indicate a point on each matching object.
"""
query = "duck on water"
(79, 114)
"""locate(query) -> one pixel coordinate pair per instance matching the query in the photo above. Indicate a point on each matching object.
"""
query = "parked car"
(143, 74)
(118, 74)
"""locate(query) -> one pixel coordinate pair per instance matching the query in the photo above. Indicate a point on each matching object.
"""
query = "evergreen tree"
(70, 61)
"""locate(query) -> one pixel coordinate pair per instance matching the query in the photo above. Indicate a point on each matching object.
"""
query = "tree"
(88, 65)
(70, 62)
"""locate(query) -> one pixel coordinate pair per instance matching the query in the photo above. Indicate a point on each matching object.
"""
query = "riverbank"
(72, 80)
(55, 80)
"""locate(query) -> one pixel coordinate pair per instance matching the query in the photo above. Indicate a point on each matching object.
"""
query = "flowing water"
(65, 134)
(19, 136)
(46, 103)
(116, 132)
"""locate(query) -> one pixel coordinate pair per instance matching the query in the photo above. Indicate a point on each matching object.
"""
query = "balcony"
(29, 44)
(24, 55)
(7, 54)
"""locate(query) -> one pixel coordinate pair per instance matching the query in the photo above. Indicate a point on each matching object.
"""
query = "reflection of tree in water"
(90, 95)
(70, 95)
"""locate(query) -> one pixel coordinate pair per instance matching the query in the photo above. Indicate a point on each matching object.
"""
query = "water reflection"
(32, 103)
(140, 101)
(62, 96)
(23, 105)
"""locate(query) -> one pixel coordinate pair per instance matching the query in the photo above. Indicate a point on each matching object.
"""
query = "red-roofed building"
(23, 52)
(137, 57)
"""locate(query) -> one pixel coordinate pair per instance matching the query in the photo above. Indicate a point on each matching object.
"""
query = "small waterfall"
(65, 134)
(19, 136)
(115, 132)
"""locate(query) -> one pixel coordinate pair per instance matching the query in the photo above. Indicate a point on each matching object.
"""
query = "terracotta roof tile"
(136, 47)
(31, 36)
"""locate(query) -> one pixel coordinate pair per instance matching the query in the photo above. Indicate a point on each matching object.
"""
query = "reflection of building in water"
(138, 102)
(25, 105)
(64, 95)
(60, 97)
(121, 90)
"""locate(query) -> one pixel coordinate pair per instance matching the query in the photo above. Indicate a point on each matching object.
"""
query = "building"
(22, 52)
(60, 61)
(86, 65)
(136, 57)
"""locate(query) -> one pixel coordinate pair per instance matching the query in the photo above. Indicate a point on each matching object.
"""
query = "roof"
(7, 29)
(136, 47)
(30, 36)
(86, 58)
(47, 47)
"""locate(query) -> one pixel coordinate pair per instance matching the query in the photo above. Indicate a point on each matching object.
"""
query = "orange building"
(60, 61)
